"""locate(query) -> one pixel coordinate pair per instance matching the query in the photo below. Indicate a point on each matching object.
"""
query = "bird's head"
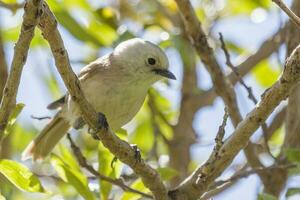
(143, 60)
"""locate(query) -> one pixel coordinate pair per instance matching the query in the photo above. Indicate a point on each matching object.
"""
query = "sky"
(249, 32)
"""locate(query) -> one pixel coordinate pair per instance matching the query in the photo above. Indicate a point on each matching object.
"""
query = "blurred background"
(176, 127)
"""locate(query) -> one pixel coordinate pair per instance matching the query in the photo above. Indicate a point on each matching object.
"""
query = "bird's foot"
(79, 123)
(102, 125)
(137, 153)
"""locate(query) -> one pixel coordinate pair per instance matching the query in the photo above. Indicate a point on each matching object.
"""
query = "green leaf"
(104, 159)
(143, 134)
(107, 16)
(12, 35)
(138, 185)
(68, 157)
(293, 155)
(292, 191)
(77, 30)
(265, 74)
(13, 117)
(265, 196)
(103, 32)
(246, 7)
(24, 132)
(20, 176)
(2, 197)
(83, 4)
(72, 176)
(122, 133)
(52, 84)
(167, 173)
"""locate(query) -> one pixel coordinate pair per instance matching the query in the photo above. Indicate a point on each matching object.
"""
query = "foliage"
(20, 176)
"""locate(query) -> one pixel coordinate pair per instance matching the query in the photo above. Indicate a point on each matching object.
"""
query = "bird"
(115, 84)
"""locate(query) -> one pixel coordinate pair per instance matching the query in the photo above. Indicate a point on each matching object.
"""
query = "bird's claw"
(137, 153)
(101, 125)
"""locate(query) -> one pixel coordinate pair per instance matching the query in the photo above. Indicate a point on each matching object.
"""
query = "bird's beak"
(165, 73)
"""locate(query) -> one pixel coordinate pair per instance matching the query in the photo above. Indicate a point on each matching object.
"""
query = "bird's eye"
(151, 61)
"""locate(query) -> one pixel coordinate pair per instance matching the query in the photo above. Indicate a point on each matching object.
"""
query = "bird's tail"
(43, 144)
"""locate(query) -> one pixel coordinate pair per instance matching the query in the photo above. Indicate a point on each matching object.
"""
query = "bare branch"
(40, 118)
(221, 83)
(249, 89)
(246, 173)
(265, 50)
(240, 137)
(235, 71)
(221, 132)
(198, 39)
(121, 149)
(83, 163)
(294, 18)
(30, 20)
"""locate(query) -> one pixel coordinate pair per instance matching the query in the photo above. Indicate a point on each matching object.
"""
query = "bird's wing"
(101, 64)
(58, 103)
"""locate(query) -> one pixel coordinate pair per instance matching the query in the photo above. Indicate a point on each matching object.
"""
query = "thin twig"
(222, 185)
(83, 163)
(40, 118)
(221, 131)
(246, 173)
(235, 71)
(294, 18)
(249, 90)
(219, 143)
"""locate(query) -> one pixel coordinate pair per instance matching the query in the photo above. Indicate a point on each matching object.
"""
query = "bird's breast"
(119, 102)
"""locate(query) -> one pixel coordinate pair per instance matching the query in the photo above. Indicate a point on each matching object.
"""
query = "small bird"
(115, 85)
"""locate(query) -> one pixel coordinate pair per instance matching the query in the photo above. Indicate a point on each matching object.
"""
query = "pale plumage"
(116, 85)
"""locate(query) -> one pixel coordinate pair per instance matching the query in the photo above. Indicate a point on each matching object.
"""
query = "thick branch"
(195, 185)
(30, 20)
(198, 38)
(292, 136)
(121, 149)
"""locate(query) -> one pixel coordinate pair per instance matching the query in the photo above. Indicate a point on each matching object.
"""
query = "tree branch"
(292, 136)
(294, 18)
(121, 149)
(265, 50)
(83, 163)
(198, 39)
(221, 83)
(192, 187)
(30, 19)
(250, 96)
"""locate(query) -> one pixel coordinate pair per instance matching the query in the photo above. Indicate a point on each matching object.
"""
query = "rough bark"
(197, 184)
(292, 128)
(121, 149)
(30, 19)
